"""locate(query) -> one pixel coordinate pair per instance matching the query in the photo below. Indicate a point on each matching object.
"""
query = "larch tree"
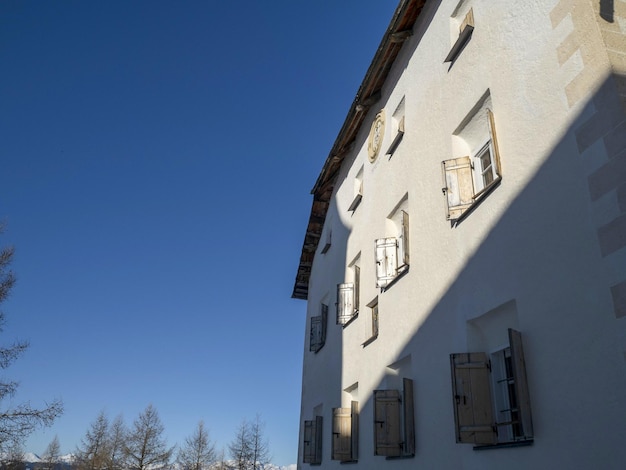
(239, 448)
(259, 444)
(13, 457)
(17, 421)
(52, 454)
(198, 452)
(93, 452)
(249, 450)
(145, 446)
(115, 444)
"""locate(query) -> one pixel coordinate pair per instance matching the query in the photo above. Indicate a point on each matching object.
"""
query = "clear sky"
(156, 159)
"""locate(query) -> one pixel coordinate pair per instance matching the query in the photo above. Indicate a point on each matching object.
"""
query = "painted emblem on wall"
(377, 131)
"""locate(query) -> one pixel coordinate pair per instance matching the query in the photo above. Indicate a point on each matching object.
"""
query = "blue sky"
(156, 162)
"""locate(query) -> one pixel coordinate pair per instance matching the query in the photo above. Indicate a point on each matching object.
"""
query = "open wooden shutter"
(409, 417)
(387, 438)
(386, 261)
(312, 452)
(357, 287)
(316, 334)
(354, 445)
(345, 303)
(318, 330)
(471, 391)
(521, 384)
(494, 141)
(403, 242)
(342, 434)
(459, 186)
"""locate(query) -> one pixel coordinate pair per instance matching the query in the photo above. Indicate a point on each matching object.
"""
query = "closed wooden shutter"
(521, 384)
(342, 434)
(312, 451)
(387, 423)
(459, 186)
(494, 142)
(345, 303)
(409, 417)
(386, 261)
(471, 390)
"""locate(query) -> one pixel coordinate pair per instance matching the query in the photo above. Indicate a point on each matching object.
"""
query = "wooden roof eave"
(399, 29)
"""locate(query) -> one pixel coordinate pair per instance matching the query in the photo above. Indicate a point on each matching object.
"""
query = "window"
(394, 421)
(327, 242)
(346, 433)
(348, 297)
(312, 449)
(373, 306)
(466, 28)
(397, 121)
(392, 253)
(469, 178)
(358, 191)
(486, 418)
(318, 330)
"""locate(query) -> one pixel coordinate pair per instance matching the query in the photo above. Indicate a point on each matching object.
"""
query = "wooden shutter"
(387, 438)
(494, 141)
(409, 417)
(471, 391)
(312, 452)
(345, 303)
(521, 384)
(342, 434)
(403, 245)
(354, 422)
(459, 186)
(386, 261)
(357, 288)
(316, 334)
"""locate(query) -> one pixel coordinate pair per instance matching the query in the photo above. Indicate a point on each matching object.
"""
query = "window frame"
(463, 184)
(312, 453)
(476, 404)
(394, 422)
(345, 438)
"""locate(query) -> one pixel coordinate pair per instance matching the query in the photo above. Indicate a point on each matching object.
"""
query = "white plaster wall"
(532, 240)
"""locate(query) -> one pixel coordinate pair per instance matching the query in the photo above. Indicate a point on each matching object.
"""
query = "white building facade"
(465, 259)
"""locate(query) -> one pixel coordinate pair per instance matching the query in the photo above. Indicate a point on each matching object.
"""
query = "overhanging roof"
(400, 28)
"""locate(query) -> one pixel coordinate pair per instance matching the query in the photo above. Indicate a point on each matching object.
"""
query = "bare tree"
(198, 452)
(115, 444)
(250, 449)
(239, 448)
(145, 447)
(17, 422)
(14, 457)
(259, 444)
(93, 452)
(52, 454)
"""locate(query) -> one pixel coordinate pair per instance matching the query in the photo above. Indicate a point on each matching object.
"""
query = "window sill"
(527, 442)
(479, 197)
(460, 43)
(394, 145)
(402, 270)
(352, 318)
(370, 341)
(355, 203)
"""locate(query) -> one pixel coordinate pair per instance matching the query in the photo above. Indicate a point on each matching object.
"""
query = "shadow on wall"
(552, 264)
